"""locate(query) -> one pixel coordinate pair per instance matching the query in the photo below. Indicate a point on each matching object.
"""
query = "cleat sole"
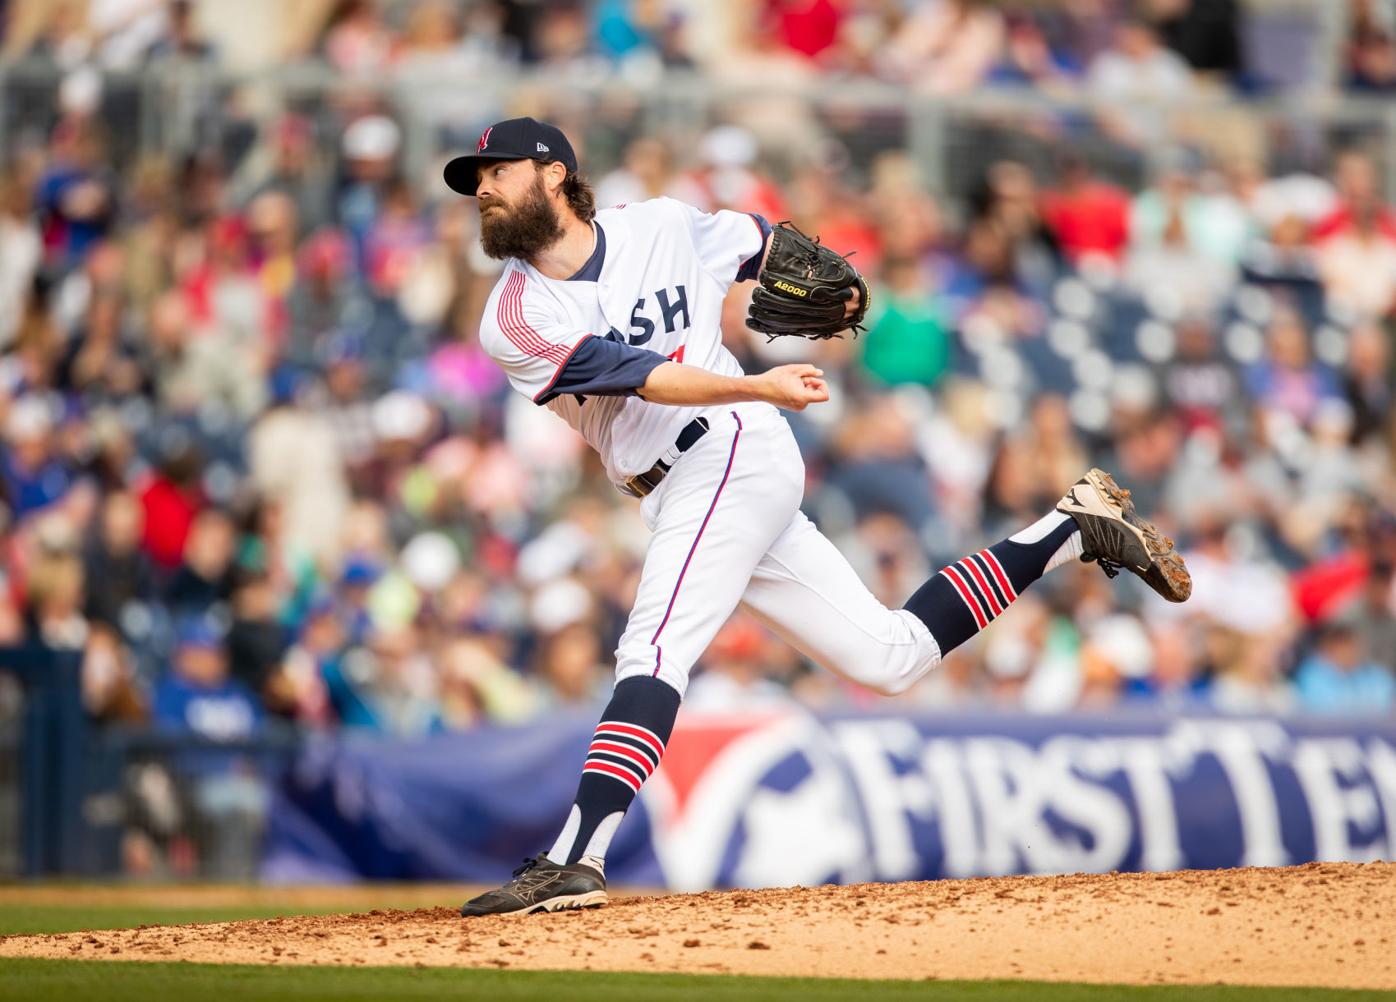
(568, 903)
(1165, 572)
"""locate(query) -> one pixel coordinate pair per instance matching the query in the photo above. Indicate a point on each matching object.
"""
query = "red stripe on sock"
(607, 758)
(983, 582)
(625, 752)
(966, 595)
(999, 573)
(632, 731)
(984, 569)
(614, 771)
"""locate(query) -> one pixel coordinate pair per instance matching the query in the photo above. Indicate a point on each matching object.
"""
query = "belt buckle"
(643, 484)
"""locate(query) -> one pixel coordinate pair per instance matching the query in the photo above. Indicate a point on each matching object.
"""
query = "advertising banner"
(788, 797)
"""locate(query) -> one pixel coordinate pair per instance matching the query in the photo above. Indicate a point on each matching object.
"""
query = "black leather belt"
(642, 484)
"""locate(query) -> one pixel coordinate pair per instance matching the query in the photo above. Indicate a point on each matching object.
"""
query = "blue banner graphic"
(789, 798)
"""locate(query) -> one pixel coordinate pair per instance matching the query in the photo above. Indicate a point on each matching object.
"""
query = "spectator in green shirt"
(907, 340)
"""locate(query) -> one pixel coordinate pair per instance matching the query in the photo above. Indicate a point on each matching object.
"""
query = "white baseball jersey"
(726, 518)
(656, 282)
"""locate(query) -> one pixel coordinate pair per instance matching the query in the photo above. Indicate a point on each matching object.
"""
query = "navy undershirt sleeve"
(751, 267)
(601, 368)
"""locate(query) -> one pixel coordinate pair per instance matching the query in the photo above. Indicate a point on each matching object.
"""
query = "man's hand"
(793, 387)
(854, 300)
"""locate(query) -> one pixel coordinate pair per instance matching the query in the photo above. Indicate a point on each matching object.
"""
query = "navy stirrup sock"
(967, 596)
(625, 750)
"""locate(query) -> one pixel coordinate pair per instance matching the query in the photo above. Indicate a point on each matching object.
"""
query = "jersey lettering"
(670, 311)
(672, 305)
(646, 325)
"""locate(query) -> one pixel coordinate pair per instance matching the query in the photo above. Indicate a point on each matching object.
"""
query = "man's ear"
(553, 175)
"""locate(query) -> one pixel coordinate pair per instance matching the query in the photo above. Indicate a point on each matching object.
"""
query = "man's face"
(202, 665)
(517, 218)
(1135, 40)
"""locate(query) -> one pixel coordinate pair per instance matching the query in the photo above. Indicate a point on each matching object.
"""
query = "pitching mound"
(1323, 924)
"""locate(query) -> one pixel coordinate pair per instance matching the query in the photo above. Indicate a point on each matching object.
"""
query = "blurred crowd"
(256, 468)
(1119, 49)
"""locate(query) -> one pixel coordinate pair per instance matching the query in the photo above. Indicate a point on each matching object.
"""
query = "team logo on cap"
(484, 140)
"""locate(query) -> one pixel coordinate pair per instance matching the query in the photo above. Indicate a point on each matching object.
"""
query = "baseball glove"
(805, 289)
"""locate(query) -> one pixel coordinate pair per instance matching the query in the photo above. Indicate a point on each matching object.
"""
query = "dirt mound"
(1323, 924)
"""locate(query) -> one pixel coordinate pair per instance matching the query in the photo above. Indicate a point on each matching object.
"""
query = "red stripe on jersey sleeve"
(511, 321)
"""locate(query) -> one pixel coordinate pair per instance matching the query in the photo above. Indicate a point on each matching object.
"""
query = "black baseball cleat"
(1113, 535)
(541, 885)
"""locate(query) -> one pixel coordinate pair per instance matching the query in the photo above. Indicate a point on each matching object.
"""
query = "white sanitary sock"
(1068, 551)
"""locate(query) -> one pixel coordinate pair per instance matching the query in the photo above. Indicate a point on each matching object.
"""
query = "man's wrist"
(752, 387)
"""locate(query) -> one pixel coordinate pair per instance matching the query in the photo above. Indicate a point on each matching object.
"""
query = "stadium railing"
(42, 753)
(174, 108)
(79, 798)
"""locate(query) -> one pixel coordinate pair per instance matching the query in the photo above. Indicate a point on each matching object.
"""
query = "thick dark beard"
(522, 230)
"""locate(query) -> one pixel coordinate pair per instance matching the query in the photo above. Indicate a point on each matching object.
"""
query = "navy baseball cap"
(360, 572)
(515, 139)
(198, 631)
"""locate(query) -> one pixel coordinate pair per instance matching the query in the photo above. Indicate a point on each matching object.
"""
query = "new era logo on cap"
(514, 139)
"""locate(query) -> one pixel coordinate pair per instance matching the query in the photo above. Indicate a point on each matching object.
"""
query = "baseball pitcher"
(611, 320)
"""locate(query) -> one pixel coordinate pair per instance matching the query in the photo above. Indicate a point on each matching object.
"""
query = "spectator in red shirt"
(808, 27)
(1088, 216)
(171, 498)
(1355, 177)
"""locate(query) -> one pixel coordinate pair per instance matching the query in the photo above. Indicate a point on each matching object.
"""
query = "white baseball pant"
(728, 529)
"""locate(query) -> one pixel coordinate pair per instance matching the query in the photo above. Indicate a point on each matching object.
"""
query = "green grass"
(21, 919)
(64, 980)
